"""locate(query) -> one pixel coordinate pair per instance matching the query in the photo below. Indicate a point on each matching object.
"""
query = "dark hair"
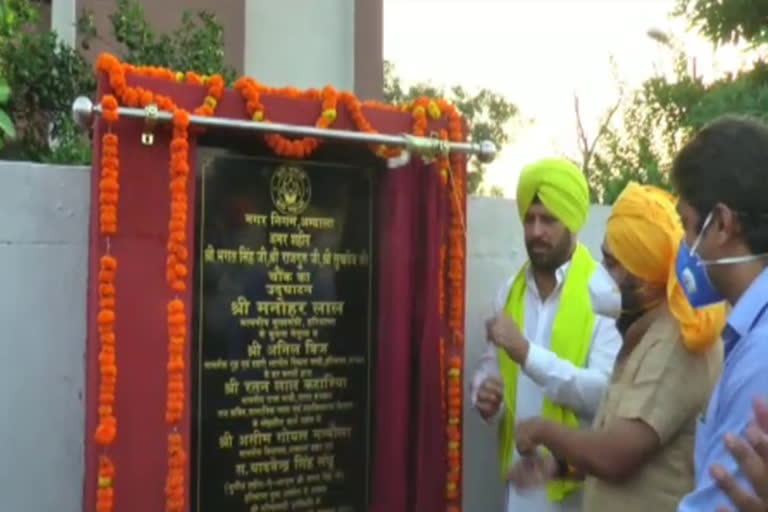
(727, 162)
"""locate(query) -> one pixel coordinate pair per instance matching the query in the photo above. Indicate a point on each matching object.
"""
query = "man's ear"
(725, 223)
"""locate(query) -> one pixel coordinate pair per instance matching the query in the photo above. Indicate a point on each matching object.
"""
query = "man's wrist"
(519, 353)
(539, 435)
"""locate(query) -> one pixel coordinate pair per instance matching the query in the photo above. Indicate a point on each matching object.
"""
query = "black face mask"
(631, 307)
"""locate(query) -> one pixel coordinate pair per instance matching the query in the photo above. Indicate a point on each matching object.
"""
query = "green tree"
(662, 113)
(197, 44)
(47, 75)
(641, 145)
(13, 15)
(726, 21)
(488, 114)
(7, 129)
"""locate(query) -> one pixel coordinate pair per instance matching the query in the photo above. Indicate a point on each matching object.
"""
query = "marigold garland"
(116, 72)
(456, 255)
(455, 174)
(109, 187)
(106, 428)
(105, 494)
(421, 109)
(452, 174)
(453, 432)
(176, 274)
(443, 163)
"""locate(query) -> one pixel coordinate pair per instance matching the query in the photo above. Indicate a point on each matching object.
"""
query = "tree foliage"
(488, 115)
(727, 21)
(197, 44)
(13, 14)
(46, 75)
(7, 128)
(662, 113)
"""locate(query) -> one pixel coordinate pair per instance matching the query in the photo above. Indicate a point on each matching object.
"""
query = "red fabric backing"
(409, 440)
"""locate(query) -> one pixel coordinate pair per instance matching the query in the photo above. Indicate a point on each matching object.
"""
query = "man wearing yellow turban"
(638, 455)
(550, 355)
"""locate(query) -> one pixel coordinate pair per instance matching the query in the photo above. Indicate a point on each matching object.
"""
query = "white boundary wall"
(43, 262)
(43, 265)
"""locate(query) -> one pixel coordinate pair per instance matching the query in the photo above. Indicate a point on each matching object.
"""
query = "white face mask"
(604, 294)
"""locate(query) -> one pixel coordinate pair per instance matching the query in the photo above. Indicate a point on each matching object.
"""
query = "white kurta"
(545, 374)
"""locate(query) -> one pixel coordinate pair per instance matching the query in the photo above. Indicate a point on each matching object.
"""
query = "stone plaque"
(282, 363)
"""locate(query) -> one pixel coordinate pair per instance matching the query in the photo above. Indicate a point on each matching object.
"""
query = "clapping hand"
(526, 435)
(752, 457)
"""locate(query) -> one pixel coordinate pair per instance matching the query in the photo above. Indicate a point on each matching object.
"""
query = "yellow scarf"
(643, 233)
(570, 340)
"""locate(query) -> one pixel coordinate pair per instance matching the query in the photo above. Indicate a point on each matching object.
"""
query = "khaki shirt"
(663, 384)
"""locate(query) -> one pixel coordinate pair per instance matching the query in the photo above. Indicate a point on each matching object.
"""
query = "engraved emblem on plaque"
(291, 189)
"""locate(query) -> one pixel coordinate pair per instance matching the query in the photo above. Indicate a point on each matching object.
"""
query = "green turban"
(561, 188)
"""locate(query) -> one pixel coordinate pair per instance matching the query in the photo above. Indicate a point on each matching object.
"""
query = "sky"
(538, 53)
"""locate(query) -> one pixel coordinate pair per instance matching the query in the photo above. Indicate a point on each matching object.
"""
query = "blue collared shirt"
(745, 376)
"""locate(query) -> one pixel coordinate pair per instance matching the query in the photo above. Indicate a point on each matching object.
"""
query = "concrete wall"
(43, 253)
(312, 43)
(43, 256)
(294, 39)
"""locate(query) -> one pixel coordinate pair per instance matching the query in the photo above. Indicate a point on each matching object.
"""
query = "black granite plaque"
(283, 355)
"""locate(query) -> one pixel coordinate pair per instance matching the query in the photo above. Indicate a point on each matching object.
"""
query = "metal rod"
(83, 110)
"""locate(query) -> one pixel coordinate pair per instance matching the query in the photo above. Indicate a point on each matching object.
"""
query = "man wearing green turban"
(560, 186)
(553, 337)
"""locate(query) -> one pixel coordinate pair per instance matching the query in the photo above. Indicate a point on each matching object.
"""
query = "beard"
(547, 257)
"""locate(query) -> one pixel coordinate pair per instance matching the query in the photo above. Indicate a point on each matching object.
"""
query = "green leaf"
(6, 125)
(5, 91)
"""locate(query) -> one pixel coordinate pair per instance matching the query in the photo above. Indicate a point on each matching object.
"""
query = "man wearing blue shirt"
(752, 456)
(721, 176)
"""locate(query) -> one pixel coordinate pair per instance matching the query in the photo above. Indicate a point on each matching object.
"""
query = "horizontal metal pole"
(84, 111)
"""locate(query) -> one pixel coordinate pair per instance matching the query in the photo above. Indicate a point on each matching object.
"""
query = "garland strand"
(453, 431)
(106, 429)
(422, 109)
(456, 172)
(176, 274)
(116, 72)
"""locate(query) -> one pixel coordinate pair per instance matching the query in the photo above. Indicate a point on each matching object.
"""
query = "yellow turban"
(561, 188)
(644, 233)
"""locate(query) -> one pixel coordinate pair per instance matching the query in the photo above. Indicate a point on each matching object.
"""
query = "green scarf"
(571, 336)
